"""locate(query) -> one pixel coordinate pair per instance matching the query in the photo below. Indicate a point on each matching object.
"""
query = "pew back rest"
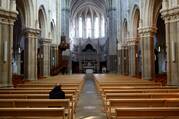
(32, 112)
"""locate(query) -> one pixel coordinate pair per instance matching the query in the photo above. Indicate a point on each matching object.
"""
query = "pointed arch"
(52, 29)
(42, 18)
(125, 31)
(151, 11)
(135, 17)
(26, 7)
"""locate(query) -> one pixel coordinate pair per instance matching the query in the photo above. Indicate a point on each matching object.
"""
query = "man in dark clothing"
(57, 93)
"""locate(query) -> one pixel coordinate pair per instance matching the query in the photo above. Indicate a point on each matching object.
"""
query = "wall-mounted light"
(5, 51)
(19, 50)
(159, 49)
(136, 55)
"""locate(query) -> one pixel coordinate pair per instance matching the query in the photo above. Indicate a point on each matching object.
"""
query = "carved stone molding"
(132, 41)
(31, 32)
(170, 15)
(45, 40)
(147, 32)
(11, 15)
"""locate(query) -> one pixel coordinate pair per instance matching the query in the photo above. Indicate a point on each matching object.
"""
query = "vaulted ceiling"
(81, 6)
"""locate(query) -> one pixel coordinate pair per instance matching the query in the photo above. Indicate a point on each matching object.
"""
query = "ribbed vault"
(79, 6)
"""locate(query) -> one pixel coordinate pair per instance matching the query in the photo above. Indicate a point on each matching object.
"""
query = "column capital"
(132, 41)
(31, 32)
(146, 32)
(149, 29)
(124, 46)
(45, 40)
(170, 15)
(54, 45)
(10, 15)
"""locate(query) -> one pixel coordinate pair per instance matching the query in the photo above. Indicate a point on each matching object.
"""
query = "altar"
(89, 69)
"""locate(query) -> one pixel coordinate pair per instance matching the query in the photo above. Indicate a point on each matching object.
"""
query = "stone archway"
(134, 46)
(53, 56)
(43, 66)
(18, 46)
(147, 30)
(26, 11)
(124, 49)
(30, 33)
(160, 47)
(170, 15)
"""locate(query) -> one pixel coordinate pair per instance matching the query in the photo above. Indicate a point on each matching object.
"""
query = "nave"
(90, 104)
(99, 96)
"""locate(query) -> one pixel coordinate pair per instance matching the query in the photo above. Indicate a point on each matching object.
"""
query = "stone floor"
(90, 104)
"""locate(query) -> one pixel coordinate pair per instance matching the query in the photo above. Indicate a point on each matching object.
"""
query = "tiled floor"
(89, 105)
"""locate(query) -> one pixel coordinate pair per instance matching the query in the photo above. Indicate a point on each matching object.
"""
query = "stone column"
(119, 61)
(46, 56)
(126, 61)
(130, 57)
(112, 35)
(30, 59)
(147, 49)
(7, 19)
(172, 42)
(133, 56)
(65, 21)
(100, 29)
(93, 20)
(84, 27)
(122, 60)
(77, 27)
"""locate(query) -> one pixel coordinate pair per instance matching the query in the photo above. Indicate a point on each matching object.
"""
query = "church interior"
(114, 59)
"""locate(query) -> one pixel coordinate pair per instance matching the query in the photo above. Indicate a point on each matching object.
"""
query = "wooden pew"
(140, 95)
(31, 96)
(36, 103)
(158, 102)
(147, 112)
(31, 113)
(67, 86)
(139, 91)
(126, 84)
(102, 88)
(38, 96)
(38, 91)
(137, 87)
(137, 96)
(73, 92)
(38, 88)
(123, 91)
(43, 91)
(118, 84)
(48, 85)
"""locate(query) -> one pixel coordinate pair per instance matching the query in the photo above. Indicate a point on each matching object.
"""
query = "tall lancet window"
(96, 25)
(102, 27)
(80, 27)
(88, 27)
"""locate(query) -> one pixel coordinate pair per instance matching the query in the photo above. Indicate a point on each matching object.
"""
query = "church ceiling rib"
(79, 6)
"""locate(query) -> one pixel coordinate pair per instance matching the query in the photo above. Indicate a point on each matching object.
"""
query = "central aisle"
(90, 104)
